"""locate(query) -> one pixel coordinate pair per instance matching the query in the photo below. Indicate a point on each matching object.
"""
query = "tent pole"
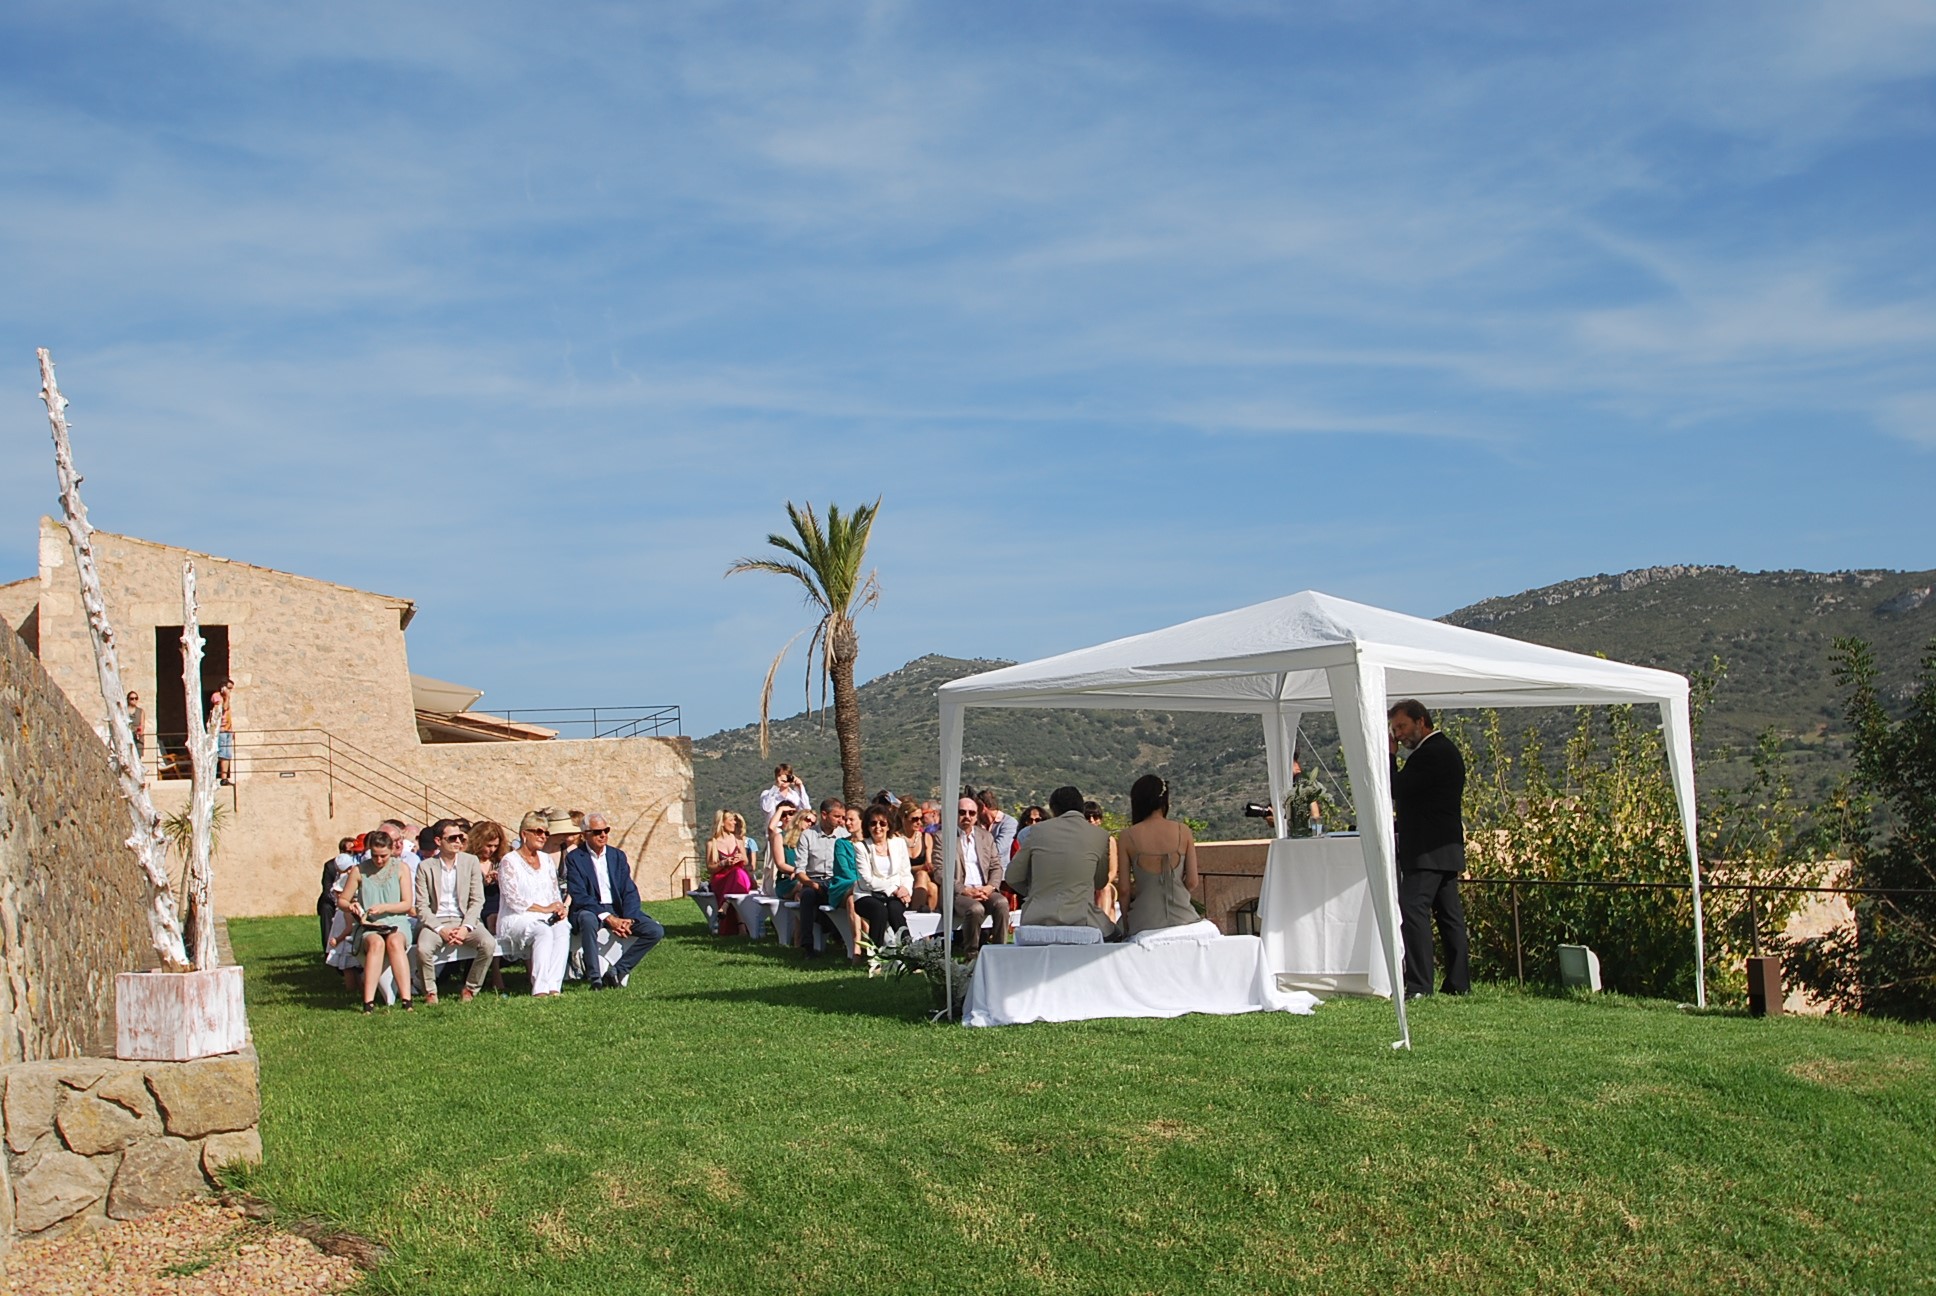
(1280, 751)
(950, 793)
(1358, 699)
(1677, 728)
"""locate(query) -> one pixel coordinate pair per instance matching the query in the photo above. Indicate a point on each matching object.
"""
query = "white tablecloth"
(1315, 916)
(1026, 983)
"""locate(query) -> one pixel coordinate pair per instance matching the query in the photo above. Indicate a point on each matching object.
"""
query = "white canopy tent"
(1313, 652)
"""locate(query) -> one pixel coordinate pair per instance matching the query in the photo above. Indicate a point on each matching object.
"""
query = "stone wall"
(318, 667)
(72, 898)
(1231, 875)
(303, 653)
(643, 784)
(89, 1139)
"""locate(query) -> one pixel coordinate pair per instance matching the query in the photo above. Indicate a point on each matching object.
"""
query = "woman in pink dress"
(727, 865)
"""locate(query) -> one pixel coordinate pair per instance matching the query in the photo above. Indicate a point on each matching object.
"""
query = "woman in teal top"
(840, 887)
(379, 899)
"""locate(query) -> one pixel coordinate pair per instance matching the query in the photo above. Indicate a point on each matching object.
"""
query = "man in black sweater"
(1427, 792)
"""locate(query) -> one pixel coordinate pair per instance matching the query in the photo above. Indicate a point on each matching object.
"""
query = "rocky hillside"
(1772, 630)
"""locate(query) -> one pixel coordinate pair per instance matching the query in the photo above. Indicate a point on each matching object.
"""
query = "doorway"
(171, 702)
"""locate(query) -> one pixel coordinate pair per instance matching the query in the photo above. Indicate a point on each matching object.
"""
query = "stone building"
(333, 733)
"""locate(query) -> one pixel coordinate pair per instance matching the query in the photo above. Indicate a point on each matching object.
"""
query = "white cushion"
(1189, 933)
(1034, 934)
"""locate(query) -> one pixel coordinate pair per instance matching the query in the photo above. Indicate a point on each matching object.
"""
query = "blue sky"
(1128, 311)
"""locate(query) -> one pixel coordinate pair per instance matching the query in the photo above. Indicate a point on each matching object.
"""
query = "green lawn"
(741, 1120)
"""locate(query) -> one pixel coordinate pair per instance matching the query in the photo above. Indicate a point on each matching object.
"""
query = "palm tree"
(827, 563)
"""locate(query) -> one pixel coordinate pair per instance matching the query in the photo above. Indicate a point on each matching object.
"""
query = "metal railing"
(318, 753)
(599, 722)
(1753, 890)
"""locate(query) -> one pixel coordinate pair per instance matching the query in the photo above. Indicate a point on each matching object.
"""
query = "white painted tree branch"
(201, 800)
(147, 840)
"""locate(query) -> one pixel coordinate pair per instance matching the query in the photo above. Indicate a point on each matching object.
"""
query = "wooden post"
(201, 800)
(147, 841)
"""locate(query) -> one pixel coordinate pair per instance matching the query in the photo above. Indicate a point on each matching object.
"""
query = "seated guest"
(378, 899)
(924, 862)
(886, 880)
(603, 895)
(490, 843)
(813, 869)
(565, 831)
(779, 826)
(978, 879)
(530, 909)
(728, 868)
(789, 870)
(844, 882)
(1000, 824)
(333, 871)
(402, 841)
(1105, 898)
(450, 910)
(1061, 867)
(1029, 817)
(1156, 865)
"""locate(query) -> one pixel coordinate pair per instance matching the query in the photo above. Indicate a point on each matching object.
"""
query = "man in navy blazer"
(599, 883)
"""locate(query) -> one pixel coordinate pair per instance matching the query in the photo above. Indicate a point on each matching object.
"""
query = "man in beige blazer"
(978, 879)
(1061, 866)
(450, 909)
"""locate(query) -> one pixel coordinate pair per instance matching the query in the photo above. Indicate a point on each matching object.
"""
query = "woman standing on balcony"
(531, 910)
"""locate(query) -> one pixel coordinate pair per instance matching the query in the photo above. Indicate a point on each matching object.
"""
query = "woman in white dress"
(531, 910)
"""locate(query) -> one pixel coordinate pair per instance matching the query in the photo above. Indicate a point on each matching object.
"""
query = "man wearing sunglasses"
(450, 909)
(603, 895)
(978, 878)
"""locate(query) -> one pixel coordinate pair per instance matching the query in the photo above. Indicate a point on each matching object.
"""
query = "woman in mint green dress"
(379, 899)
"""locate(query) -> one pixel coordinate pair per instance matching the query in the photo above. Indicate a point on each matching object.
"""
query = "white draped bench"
(1057, 983)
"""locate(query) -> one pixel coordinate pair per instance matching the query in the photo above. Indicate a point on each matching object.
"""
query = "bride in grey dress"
(1156, 862)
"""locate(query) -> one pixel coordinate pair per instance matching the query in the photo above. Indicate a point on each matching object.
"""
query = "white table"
(1315, 916)
(1027, 983)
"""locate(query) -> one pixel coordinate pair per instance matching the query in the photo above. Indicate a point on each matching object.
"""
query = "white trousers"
(549, 942)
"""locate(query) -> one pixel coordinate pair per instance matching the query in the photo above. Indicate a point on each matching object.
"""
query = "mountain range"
(1772, 633)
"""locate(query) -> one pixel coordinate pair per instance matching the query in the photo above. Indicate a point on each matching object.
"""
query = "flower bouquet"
(927, 958)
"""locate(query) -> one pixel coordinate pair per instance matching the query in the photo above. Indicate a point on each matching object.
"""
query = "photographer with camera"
(787, 789)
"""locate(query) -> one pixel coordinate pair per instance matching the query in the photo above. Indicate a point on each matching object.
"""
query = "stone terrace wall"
(644, 784)
(92, 1138)
(72, 898)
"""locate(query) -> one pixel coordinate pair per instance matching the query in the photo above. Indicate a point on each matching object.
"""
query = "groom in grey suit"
(1061, 866)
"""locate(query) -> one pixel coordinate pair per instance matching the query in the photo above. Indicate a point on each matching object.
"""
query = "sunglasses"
(455, 837)
(598, 832)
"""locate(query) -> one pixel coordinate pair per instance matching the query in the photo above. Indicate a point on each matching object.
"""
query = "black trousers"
(1425, 896)
(881, 913)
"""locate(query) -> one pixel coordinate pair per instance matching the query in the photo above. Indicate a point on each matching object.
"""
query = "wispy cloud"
(674, 265)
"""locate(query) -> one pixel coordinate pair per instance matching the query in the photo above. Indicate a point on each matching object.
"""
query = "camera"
(1257, 810)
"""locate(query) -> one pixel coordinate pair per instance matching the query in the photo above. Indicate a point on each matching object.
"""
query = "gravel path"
(201, 1248)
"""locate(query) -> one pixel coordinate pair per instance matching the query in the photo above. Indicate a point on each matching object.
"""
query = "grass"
(741, 1120)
